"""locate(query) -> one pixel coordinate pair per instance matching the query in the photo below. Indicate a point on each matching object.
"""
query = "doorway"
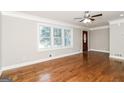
(85, 41)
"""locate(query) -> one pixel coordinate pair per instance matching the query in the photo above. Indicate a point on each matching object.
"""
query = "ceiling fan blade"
(82, 20)
(78, 18)
(92, 19)
(97, 15)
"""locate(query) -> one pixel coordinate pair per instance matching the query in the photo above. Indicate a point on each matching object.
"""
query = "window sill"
(50, 49)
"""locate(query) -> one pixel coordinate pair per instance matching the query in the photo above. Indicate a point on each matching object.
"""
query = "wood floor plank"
(85, 67)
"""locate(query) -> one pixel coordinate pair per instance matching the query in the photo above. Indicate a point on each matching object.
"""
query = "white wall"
(0, 40)
(99, 39)
(19, 42)
(117, 39)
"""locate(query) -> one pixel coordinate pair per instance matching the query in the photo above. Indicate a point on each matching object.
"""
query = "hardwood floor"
(86, 67)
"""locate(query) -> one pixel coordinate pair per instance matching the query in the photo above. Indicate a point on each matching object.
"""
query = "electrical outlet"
(50, 55)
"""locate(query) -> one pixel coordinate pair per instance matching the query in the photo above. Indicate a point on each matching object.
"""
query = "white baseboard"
(38, 61)
(99, 50)
(116, 57)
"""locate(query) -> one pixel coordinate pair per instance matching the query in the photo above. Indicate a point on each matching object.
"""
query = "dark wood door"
(85, 41)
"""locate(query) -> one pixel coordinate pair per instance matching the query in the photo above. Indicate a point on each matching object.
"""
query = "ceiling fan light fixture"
(87, 20)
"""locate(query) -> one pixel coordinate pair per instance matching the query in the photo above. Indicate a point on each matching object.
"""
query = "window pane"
(67, 37)
(57, 42)
(45, 32)
(57, 37)
(45, 43)
(45, 37)
(57, 32)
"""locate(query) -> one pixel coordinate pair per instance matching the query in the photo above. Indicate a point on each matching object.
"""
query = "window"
(53, 37)
(45, 37)
(67, 37)
(57, 34)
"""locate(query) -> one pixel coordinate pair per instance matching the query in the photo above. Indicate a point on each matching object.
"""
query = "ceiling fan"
(88, 18)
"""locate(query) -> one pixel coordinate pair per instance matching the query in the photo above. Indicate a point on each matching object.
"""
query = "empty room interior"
(62, 46)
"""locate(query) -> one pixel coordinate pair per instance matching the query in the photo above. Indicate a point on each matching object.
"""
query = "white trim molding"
(37, 61)
(100, 27)
(39, 19)
(105, 51)
(116, 57)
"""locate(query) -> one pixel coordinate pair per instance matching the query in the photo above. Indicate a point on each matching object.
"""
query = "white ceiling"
(68, 16)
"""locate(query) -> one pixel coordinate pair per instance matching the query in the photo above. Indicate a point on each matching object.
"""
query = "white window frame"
(52, 37)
